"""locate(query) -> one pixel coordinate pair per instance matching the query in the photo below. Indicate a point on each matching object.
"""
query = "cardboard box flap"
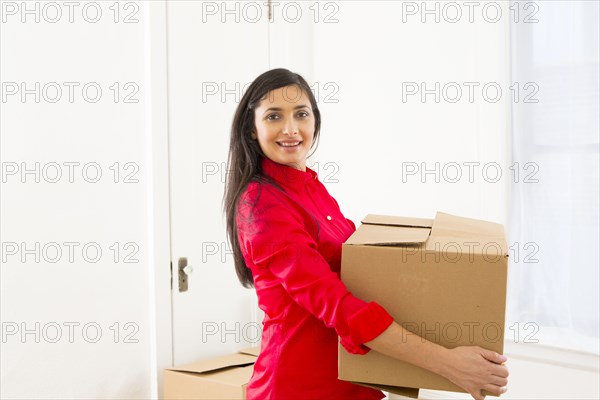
(451, 228)
(388, 235)
(375, 219)
(253, 351)
(217, 363)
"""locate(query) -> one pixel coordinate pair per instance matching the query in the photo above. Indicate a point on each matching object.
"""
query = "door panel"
(210, 62)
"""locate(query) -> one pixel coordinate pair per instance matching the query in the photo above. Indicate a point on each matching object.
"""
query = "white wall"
(46, 297)
(371, 134)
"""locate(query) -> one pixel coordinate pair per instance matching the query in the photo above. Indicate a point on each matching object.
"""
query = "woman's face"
(285, 126)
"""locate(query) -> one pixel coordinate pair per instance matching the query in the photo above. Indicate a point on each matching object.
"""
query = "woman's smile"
(289, 145)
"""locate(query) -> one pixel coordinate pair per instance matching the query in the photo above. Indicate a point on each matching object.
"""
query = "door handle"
(184, 270)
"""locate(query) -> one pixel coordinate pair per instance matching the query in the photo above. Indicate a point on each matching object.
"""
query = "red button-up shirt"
(291, 239)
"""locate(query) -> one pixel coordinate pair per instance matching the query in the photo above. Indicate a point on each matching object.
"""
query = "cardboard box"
(222, 377)
(443, 279)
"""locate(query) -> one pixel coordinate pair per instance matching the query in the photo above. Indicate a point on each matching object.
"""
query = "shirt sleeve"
(273, 236)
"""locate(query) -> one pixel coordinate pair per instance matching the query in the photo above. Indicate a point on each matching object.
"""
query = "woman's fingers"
(499, 381)
(493, 356)
(477, 369)
(495, 389)
(500, 370)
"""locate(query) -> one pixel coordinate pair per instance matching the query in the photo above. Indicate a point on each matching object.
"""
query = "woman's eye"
(301, 114)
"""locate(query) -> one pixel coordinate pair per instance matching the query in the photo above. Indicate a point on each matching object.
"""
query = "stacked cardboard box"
(222, 377)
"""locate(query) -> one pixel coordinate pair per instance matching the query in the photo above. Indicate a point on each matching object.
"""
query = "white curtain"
(554, 201)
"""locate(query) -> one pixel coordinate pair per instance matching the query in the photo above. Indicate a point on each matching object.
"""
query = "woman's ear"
(253, 135)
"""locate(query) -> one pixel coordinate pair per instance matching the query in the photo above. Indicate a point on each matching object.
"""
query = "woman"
(286, 233)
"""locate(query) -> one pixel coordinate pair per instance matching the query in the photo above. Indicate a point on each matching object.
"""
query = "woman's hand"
(475, 369)
(470, 367)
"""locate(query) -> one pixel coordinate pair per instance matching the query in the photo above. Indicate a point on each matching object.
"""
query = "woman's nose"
(290, 128)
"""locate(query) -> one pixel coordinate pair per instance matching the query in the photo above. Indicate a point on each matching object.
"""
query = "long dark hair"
(245, 154)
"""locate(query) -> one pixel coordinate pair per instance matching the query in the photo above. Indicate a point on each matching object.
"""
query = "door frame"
(157, 156)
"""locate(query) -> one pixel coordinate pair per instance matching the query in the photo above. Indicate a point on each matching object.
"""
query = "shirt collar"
(287, 176)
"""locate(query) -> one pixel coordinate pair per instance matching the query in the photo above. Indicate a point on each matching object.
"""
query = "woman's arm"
(469, 367)
(278, 248)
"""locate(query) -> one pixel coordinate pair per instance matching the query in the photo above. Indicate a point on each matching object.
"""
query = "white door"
(209, 62)
(215, 50)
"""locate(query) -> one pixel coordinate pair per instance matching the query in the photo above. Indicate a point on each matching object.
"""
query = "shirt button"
(328, 218)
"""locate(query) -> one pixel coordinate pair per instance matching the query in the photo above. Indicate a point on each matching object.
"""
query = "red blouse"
(291, 239)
